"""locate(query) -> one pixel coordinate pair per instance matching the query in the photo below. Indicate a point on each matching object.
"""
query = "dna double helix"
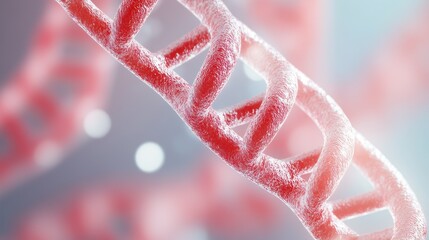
(62, 79)
(229, 41)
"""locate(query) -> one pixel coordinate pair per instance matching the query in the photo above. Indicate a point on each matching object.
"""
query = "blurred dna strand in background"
(63, 80)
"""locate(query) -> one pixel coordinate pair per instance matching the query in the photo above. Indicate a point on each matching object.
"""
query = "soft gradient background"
(356, 30)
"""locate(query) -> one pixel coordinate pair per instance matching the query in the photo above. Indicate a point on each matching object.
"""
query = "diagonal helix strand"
(229, 41)
(48, 64)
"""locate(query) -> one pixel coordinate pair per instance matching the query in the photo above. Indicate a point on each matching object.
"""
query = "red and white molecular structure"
(61, 85)
(230, 40)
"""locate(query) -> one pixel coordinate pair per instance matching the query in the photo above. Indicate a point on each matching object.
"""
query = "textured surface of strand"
(397, 78)
(164, 210)
(63, 77)
(229, 41)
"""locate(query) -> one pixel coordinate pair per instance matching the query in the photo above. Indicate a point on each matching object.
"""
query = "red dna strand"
(63, 77)
(230, 40)
(207, 199)
(291, 26)
(396, 78)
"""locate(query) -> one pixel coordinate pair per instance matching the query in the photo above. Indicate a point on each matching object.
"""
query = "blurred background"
(110, 146)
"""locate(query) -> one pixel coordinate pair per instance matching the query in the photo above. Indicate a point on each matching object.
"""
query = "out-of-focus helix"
(292, 26)
(42, 108)
(210, 199)
(397, 75)
(230, 40)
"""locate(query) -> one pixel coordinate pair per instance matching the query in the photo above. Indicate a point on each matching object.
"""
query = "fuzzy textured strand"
(229, 40)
